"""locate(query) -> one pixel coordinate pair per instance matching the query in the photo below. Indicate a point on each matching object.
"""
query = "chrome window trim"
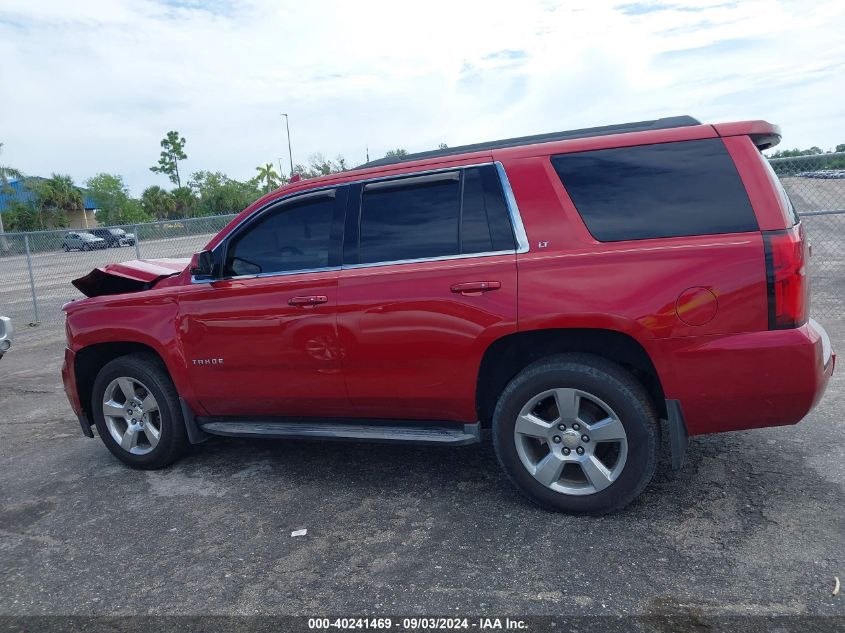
(522, 245)
(285, 273)
(513, 210)
(422, 260)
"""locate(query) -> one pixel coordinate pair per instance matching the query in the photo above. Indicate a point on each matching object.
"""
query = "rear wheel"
(65, 248)
(137, 413)
(577, 433)
(85, 247)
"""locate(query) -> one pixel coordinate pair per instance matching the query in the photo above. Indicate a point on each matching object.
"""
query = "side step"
(381, 431)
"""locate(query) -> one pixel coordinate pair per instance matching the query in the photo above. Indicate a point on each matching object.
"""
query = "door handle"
(476, 287)
(310, 300)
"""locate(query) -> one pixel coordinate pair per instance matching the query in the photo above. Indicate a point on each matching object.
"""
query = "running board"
(392, 431)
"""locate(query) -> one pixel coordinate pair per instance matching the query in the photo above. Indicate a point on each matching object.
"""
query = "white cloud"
(90, 87)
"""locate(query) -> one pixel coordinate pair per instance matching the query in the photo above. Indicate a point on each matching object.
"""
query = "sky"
(90, 87)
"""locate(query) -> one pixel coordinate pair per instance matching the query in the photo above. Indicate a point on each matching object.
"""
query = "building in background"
(17, 191)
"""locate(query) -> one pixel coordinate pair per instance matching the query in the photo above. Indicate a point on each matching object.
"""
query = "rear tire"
(577, 433)
(137, 412)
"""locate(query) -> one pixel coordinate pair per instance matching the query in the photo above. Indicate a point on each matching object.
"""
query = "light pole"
(290, 153)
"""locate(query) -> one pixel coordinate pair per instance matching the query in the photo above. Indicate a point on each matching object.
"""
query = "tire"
(608, 403)
(65, 248)
(84, 247)
(147, 376)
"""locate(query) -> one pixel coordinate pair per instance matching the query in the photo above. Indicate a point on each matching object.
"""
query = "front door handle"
(310, 300)
(476, 287)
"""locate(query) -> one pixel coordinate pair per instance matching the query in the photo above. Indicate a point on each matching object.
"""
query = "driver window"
(296, 236)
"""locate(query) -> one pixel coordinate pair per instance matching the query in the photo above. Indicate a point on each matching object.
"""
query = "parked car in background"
(578, 292)
(115, 237)
(6, 335)
(82, 242)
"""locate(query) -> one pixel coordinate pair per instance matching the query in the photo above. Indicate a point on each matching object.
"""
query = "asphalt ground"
(753, 525)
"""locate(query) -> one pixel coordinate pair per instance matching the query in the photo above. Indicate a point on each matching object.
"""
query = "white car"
(6, 335)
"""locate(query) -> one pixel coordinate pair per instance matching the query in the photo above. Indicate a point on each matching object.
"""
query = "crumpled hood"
(131, 276)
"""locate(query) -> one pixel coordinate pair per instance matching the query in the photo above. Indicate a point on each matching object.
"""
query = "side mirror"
(202, 264)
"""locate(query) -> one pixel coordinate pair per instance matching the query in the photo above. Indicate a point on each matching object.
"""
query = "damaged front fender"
(131, 276)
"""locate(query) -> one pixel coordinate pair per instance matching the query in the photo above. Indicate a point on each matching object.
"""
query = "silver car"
(6, 335)
(82, 242)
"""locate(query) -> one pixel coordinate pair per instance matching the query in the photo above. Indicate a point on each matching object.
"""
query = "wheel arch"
(507, 356)
(89, 360)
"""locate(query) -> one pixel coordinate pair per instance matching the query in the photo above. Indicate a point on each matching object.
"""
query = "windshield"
(118, 232)
(88, 237)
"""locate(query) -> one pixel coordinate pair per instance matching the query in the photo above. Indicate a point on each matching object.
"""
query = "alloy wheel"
(571, 441)
(132, 415)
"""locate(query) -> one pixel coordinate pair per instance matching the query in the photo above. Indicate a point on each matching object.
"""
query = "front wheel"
(577, 433)
(137, 413)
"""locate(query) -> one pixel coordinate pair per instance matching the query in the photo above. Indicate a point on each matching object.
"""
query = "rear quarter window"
(653, 191)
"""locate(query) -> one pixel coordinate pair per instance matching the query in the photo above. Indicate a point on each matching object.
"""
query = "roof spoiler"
(762, 133)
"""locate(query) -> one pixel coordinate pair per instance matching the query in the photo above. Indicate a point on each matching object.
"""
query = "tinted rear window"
(663, 190)
(462, 213)
(415, 221)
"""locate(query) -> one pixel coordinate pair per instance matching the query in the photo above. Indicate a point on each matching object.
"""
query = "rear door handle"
(310, 300)
(476, 287)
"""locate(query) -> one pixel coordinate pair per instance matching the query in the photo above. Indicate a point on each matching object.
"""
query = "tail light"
(786, 277)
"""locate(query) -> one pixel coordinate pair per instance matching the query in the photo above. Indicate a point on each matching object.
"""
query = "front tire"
(137, 412)
(577, 433)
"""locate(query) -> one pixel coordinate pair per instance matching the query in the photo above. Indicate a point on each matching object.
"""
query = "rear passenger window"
(485, 224)
(410, 221)
(662, 190)
(436, 215)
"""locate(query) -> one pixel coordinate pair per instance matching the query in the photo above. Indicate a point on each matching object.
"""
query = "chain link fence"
(35, 270)
(816, 186)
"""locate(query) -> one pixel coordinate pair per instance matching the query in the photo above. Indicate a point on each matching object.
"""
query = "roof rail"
(638, 126)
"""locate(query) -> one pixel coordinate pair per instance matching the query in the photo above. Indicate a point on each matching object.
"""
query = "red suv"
(577, 292)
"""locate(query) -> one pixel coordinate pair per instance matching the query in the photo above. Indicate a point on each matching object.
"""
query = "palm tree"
(57, 196)
(268, 174)
(158, 202)
(6, 173)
